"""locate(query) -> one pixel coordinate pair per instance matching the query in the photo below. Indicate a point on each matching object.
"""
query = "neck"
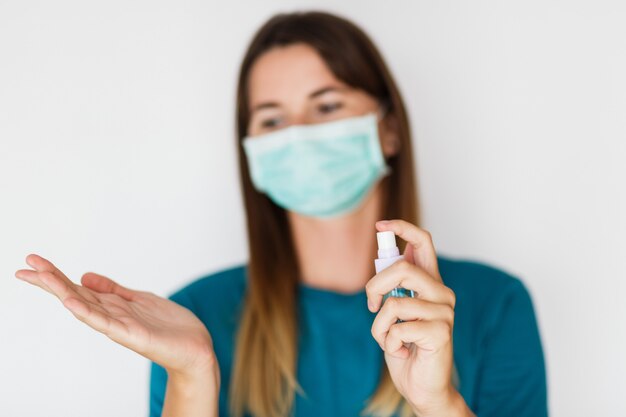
(338, 254)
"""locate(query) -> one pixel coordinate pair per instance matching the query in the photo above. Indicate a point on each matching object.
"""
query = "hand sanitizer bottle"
(388, 253)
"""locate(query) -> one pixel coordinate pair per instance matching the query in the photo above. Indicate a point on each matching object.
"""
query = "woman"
(325, 152)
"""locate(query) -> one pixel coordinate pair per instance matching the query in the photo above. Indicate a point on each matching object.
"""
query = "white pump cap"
(386, 240)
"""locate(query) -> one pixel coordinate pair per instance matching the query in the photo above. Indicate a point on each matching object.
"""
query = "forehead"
(288, 74)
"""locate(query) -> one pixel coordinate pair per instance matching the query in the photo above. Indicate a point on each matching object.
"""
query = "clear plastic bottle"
(388, 253)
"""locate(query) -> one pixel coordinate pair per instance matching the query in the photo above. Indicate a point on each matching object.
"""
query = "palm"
(152, 326)
(157, 328)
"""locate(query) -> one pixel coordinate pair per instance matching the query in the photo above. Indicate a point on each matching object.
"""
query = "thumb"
(102, 284)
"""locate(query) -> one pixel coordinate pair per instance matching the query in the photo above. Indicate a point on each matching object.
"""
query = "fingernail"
(383, 222)
(370, 305)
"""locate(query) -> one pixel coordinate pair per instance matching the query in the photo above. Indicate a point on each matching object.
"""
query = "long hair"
(263, 379)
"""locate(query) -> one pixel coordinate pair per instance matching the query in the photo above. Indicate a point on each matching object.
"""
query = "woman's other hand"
(152, 326)
(418, 351)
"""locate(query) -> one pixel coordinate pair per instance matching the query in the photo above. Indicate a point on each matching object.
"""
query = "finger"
(63, 290)
(87, 293)
(407, 309)
(32, 277)
(408, 253)
(406, 275)
(113, 304)
(427, 335)
(422, 243)
(95, 318)
(43, 265)
(58, 286)
(102, 284)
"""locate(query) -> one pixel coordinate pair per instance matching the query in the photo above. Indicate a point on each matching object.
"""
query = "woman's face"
(292, 85)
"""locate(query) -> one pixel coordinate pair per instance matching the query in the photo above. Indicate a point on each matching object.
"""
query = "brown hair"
(264, 370)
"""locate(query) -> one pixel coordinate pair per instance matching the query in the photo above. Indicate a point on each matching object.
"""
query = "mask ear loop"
(383, 111)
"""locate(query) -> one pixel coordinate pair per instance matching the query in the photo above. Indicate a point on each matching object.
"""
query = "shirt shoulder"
(484, 284)
(485, 297)
(497, 343)
(208, 294)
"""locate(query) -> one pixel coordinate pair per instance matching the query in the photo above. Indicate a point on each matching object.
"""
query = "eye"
(329, 107)
(270, 123)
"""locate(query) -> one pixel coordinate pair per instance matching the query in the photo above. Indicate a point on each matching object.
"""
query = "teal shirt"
(497, 346)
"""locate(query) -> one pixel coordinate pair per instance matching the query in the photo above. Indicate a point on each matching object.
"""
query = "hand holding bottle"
(416, 333)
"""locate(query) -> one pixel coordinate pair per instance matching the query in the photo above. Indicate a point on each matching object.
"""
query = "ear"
(389, 137)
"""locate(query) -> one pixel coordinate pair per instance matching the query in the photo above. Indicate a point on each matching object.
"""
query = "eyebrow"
(316, 93)
(323, 90)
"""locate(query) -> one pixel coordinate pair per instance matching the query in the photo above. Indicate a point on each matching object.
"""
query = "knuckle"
(392, 303)
(449, 314)
(395, 331)
(451, 296)
(445, 330)
(375, 332)
(387, 344)
(402, 265)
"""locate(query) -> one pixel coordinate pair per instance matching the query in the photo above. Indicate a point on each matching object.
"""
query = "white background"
(117, 155)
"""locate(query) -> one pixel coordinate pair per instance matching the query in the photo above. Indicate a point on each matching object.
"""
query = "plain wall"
(117, 155)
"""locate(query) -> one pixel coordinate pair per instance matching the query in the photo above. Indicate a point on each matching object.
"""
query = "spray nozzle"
(387, 244)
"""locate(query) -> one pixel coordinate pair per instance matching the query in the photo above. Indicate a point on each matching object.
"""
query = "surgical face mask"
(322, 170)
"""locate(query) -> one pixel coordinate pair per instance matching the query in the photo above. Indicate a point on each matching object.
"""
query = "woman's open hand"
(154, 327)
(418, 351)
